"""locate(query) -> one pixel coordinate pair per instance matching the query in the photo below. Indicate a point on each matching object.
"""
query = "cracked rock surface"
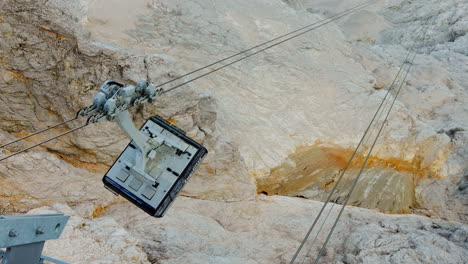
(269, 230)
(96, 241)
(283, 123)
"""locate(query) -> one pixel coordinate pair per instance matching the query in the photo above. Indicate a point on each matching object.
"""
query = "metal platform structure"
(24, 237)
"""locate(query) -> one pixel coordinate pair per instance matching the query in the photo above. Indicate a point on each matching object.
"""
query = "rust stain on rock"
(17, 76)
(13, 199)
(77, 163)
(319, 166)
(52, 34)
(301, 169)
(100, 210)
(171, 120)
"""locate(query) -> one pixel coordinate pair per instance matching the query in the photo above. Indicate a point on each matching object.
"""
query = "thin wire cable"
(346, 166)
(350, 174)
(410, 64)
(352, 156)
(332, 18)
(380, 111)
(268, 47)
(367, 158)
(357, 178)
(43, 142)
(353, 167)
(261, 44)
(346, 179)
(38, 132)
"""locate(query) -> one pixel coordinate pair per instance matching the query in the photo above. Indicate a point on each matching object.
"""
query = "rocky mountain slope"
(282, 123)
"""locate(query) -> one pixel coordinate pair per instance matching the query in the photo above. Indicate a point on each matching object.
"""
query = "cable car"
(160, 158)
(164, 176)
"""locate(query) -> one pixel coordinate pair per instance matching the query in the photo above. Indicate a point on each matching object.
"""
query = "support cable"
(358, 176)
(351, 173)
(270, 46)
(380, 112)
(43, 142)
(331, 19)
(38, 132)
(348, 163)
(367, 157)
(266, 42)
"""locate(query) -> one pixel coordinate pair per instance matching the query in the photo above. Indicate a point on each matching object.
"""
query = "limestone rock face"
(97, 241)
(54, 92)
(250, 125)
(283, 122)
(269, 230)
(406, 241)
(41, 178)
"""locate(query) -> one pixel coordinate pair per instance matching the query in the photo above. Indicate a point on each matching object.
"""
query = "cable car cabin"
(166, 168)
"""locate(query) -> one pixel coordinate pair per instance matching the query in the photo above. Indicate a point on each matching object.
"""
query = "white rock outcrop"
(282, 122)
(269, 230)
(96, 241)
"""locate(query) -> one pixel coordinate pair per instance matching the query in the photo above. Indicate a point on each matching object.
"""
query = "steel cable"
(349, 162)
(270, 46)
(346, 167)
(331, 18)
(319, 255)
(367, 157)
(264, 43)
(38, 132)
(350, 174)
(380, 112)
(43, 142)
